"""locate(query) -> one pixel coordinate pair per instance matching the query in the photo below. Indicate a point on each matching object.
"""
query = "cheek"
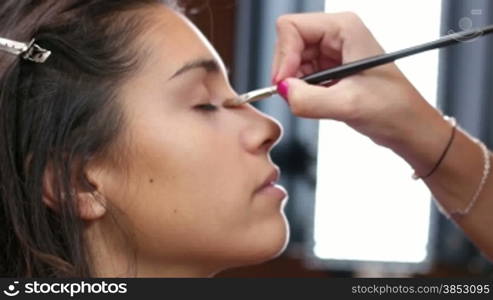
(189, 184)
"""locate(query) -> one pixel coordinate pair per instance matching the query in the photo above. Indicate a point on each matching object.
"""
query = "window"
(368, 209)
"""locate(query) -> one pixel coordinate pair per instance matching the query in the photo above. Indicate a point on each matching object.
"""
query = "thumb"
(317, 102)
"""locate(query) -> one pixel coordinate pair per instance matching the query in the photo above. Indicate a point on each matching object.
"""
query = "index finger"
(299, 31)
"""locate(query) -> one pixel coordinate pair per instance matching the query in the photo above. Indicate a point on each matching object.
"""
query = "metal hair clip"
(32, 51)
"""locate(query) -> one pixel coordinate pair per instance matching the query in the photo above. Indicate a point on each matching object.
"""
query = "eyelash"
(207, 107)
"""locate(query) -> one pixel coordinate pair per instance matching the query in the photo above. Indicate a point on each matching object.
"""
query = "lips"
(270, 180)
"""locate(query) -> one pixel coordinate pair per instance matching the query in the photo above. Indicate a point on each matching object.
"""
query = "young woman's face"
(190, 193)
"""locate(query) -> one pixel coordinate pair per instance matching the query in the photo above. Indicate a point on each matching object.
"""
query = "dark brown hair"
(61, 114)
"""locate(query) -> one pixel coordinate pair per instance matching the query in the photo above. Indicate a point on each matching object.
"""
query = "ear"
(89, 201)
(91, 205)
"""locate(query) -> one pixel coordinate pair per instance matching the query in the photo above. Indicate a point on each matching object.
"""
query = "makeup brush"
(345, 70)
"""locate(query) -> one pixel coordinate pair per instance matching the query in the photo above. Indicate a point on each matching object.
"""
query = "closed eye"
(207, 107)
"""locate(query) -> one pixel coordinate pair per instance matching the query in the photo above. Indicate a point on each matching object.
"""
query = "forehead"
(173, 41)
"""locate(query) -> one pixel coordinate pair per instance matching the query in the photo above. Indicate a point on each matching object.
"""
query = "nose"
(261, 133)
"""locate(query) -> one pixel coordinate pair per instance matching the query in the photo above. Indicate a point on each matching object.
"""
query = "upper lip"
(273, 177)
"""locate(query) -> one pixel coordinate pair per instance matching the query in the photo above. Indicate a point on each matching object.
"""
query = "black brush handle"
(367, 63)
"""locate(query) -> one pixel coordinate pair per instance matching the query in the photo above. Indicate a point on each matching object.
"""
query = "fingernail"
(283, 89)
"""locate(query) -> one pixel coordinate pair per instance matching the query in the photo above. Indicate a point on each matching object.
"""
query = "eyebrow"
(209, 65)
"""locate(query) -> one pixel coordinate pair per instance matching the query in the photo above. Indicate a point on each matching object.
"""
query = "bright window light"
(367, 206)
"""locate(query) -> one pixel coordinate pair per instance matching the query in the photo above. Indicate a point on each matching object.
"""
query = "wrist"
(454, 182)
(421, 138)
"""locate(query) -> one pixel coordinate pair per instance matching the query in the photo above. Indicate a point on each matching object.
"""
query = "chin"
(267, 246)
(279, 242)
